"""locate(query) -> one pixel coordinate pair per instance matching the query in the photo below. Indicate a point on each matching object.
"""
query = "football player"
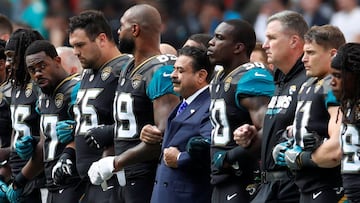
(25, 119)
(144, 97)
(345, 84)
(240, 93)
(91, 38)
(315, 154)
(55, 104)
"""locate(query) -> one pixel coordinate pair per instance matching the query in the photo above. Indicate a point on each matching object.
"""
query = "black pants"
(281, 191)
(137, 190)
(328, 195)
(95, 194)
(230, 192)
(71, 194)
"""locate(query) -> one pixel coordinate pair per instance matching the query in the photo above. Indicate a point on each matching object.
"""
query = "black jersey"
(25, 120)
(93, 107)
(5, 115)
(281, 111)
(248, 80)
(53, 108)
(314, 99)
(350, 144)
(137, 88)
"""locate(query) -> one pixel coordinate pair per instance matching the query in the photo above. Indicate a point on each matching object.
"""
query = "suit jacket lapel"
(175, 122)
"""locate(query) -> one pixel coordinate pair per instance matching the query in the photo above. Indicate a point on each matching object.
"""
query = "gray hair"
(291, 21)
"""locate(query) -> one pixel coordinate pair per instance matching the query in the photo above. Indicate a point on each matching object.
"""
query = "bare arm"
(143, 152)
(328, 155)
(250, 135)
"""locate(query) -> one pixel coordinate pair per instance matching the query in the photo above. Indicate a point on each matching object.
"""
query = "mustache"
(175, 81)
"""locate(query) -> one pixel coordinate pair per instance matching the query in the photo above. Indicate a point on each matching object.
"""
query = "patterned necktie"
(181, 108)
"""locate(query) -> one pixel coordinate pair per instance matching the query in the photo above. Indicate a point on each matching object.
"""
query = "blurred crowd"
(182, 18)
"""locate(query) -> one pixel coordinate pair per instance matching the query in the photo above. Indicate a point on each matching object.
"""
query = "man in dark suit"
(183, 173)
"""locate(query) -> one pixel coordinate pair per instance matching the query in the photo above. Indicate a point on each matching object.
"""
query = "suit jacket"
(189, 182)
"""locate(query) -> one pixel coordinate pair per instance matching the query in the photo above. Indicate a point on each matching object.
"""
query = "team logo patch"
(28, 90)
(105, 73)
(227, 84)
(59, 100)
(136, 81)
(292, 89)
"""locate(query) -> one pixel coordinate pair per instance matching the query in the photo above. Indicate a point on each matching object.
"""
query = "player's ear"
(333, 52)
(239, 47)
(135, 28)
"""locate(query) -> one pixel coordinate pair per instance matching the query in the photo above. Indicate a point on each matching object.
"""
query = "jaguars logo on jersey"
(105, 73)
(227, 84)
(28, 90)
(59, 100)
(136, 81)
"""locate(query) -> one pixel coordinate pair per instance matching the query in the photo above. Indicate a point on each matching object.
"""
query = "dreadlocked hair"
(350, 98)
(18, 42)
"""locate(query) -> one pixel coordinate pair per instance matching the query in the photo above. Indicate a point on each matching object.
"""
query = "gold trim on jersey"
(141, 64)
(66, 79)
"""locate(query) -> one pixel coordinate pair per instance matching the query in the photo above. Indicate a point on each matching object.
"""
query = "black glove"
(100, 137)
(312, 141)
(15, 195)
(198, 147)
(65, 166)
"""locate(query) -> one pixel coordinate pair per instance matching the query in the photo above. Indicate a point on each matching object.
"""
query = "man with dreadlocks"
(346, 87)
(5, 123)
(25, 119)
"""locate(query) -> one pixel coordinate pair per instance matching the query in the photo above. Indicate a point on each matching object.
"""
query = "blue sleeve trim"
(74, 93)
(331, 100)
(255, 82)
(160, 83)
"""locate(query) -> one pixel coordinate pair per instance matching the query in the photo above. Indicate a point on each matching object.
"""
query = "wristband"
(70, 151)
(306, 161)
(20, 180)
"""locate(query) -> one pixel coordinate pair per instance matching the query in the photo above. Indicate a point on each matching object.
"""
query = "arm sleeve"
(160, 83)
(255, 82)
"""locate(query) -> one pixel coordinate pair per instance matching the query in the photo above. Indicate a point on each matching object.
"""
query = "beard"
(127, 45)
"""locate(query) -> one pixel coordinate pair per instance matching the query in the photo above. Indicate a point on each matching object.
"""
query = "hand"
(24, 146)
(14, 195)
(292, 158)
(65, 130)
(65, 166)
(15, 190)
(219, 159)
(278, 152)
(170, 156)
(311, 141)
(198, 147)
(244, 134)
(151, 134)
(100, 137)
(101, 170)
(3, 190)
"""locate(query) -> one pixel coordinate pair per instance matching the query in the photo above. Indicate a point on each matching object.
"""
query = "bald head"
(69, 61)
(146, 16)
(167, 49)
